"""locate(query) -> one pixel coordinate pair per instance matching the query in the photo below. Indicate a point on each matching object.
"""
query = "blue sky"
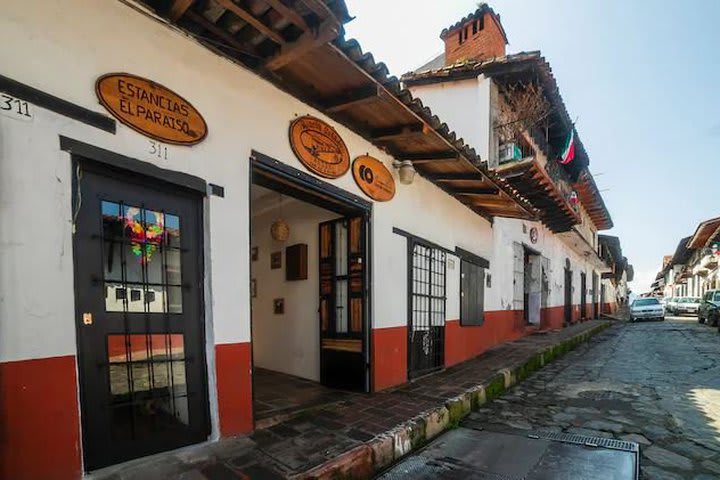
(643, 78)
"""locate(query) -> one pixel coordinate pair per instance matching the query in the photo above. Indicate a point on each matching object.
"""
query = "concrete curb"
(384, 450)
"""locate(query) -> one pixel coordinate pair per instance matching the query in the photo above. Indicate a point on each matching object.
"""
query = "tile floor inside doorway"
(278, 396)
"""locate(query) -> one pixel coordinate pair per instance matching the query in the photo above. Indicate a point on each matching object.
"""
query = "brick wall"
(488, 42)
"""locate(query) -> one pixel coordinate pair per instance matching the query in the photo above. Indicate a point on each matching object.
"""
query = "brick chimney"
(478, 36)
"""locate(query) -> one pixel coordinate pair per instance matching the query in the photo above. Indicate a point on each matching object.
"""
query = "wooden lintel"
(251, 20)
(288, 13)
(356, 97)
(382, 134)
(475, 191)
(178, 9)
(289, 52)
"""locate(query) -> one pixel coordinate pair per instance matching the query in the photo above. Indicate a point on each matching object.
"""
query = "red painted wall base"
(389, 357)
(233, 364)
(39, 421)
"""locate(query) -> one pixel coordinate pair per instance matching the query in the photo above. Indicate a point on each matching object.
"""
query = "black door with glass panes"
(138, 280)
(343, 330)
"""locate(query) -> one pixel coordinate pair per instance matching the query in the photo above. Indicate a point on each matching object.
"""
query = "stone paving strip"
(365, 434)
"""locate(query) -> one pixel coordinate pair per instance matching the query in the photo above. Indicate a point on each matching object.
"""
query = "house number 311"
(14, 107)
(158, 150)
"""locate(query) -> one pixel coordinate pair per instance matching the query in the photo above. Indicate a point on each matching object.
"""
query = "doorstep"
(365, 434)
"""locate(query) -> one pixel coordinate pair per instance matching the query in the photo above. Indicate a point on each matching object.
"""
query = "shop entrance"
(309, 290)
(138, 278)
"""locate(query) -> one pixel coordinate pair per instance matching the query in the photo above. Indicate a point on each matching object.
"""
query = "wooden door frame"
(136, 172)
(270, 173)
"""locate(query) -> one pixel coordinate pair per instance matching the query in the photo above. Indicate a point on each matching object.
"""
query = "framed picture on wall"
(276, 260)
(279, 306)
(254, 254)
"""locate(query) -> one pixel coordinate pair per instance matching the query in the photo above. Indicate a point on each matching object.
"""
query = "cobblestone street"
(657, 384)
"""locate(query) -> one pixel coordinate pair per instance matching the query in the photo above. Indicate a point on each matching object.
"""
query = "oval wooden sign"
(151, 109)
(373, 178)
(319, 147)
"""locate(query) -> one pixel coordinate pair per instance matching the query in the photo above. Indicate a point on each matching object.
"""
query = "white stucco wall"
(464, 105)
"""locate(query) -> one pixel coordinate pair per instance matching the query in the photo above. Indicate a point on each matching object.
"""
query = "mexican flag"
(568, 151)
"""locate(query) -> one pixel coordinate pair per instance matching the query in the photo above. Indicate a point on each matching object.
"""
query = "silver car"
(648, 308)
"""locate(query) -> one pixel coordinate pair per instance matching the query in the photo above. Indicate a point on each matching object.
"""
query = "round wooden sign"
(151, 109)
(319, 147)
(373, 178)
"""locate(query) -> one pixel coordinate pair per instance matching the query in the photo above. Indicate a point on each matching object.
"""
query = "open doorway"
(532, 282)
(309, 291)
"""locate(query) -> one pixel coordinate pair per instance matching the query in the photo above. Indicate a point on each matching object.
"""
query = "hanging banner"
(319, 147)
(373, 178)
(151, 109)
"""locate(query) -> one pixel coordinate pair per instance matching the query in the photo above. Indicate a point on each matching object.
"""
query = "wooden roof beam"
(178, 9)
(352, 99)
(308, 41)
(251, 20)
(319, 8)
(392, 133)
(227, 37)
(289, 13)
(476, 191)
(420, 158)
(456, 177)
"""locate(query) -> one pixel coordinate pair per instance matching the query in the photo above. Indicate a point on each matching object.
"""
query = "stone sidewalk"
(365, 433)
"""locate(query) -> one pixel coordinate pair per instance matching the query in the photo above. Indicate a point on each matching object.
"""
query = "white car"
(687, 305)
(648, 308)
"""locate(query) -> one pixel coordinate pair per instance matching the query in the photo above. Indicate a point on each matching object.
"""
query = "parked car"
(670, 304)
(709, 309)
(686, 305)
(648, 308)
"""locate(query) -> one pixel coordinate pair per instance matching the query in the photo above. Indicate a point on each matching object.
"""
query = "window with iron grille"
(427, 300)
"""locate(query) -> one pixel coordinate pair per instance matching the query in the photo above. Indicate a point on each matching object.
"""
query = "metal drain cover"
(485, 455)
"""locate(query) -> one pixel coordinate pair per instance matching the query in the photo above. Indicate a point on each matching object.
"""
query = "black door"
(138, 282)
(343, 328)
(583, 295)
(568, 296)
(426, 309)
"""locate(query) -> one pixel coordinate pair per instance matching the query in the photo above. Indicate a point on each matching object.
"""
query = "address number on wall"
(15, 108)
(158, 150)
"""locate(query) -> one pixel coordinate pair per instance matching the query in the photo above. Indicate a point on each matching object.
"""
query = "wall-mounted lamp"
(406, 171)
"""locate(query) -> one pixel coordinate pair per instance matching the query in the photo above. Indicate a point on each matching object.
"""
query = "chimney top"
(478, 36)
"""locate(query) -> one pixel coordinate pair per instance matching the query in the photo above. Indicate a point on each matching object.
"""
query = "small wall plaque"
(276, 260)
